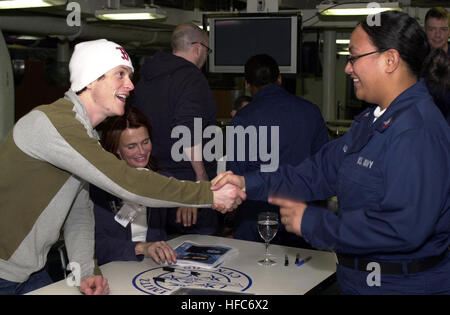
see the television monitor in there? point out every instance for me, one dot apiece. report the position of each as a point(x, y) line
point(235, 39)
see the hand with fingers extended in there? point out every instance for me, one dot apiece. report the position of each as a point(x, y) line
point(159, 251)
point(227, 197)
point(187, 216)
point(228, 178)
point(291, 213)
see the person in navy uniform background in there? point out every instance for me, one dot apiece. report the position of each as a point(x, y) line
point(302, 132)
point(239, 103)
point(390, 172)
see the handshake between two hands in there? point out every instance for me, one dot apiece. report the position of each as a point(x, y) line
point(228, 191)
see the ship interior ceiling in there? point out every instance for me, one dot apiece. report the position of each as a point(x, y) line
point(40, 41)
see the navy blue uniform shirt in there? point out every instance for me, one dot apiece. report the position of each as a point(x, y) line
point(302, 132)
point(391, 178)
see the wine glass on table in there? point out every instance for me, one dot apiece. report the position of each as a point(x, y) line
point(267, 228)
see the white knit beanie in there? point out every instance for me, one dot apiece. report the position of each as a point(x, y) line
point(92, 59)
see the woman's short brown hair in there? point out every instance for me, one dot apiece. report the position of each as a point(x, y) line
point(113, 127)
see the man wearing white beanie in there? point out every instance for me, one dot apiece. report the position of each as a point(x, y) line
point(52, 154)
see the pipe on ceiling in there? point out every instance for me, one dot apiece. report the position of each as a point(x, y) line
point(52, 26)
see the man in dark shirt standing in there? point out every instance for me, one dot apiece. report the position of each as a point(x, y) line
point(174, 92)
point(301, 133)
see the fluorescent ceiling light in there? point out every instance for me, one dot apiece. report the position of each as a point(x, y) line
point(131, 14)
point(27, 37)
point(342, 41)
point(343, 53)
point(21, 4)
point(357, 8)
point(339, 41)
point(201, 26)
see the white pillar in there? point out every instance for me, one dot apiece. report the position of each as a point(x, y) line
point(6, 90)
point(329, 76)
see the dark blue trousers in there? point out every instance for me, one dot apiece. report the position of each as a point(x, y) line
point(432, 281)
point(36, 280)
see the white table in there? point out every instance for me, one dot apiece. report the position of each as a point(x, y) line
point(240, 274)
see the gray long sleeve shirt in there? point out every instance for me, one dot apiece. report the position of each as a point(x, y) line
point(47, 160)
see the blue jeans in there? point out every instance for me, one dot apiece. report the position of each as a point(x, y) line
point(36, 280)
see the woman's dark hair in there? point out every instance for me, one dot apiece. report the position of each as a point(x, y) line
point(114, 126)
point(399, 31)
point(436, 73)
point(261, 70)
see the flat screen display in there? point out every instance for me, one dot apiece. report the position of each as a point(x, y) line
point(234, 40)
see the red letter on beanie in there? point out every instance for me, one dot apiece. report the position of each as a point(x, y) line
point(124, 53)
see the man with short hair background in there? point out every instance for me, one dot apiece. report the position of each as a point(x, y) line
point(302, 132)
point(437, 28)
point(172, 92)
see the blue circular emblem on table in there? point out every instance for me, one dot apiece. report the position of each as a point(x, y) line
point(166, 280)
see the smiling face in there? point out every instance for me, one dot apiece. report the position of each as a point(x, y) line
point(109, 93)
point(365, 71)
point(437, 32)
point(135, 146)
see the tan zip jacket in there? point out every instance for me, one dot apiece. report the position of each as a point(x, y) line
point(46, 162)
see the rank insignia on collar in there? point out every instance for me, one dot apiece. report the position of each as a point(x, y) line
point(345, 148)
point(386, 123)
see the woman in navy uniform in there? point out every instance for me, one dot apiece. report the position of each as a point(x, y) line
point(390, 172)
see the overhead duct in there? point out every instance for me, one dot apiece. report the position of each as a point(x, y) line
point(43, 25)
